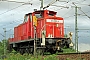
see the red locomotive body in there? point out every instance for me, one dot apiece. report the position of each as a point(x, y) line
point(25, 30)
point(49, 33)
point(50, 23)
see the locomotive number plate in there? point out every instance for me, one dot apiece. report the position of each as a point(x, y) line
point(54, 21)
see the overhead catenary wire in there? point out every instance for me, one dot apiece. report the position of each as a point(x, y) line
point(60, 6)
point(66, 3)
point(67, 12)
point(80, 3)
point(69, 16)
point(16, 12)
point(83, 4)
point(84, 13)
point(13, 22)
point(86, 20)
point(13, 8)
point(16, 2)
point(10, 9)
point(50, 4)
point(82, 18)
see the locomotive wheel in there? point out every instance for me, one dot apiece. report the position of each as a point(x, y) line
point(40, 52)
point(27, 50)
point(21, 51)
point(31, 50)
point(67, 45)
point(52, 51)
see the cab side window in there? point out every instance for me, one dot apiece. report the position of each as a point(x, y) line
point(26, 18)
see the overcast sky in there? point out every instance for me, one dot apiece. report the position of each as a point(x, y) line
point(12, 14)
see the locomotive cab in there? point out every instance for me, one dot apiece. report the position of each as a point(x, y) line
point(50, 23)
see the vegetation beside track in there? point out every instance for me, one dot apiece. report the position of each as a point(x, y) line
point(68, 50)
point(18, 56)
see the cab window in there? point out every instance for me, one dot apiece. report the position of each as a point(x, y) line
point(26, 18)
point(38, 15)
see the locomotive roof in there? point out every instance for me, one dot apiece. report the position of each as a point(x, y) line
point(42, 11)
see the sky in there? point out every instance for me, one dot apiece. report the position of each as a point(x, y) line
point(12, 14)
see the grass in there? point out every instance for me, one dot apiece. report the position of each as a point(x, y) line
point(68, 50)
point(18, 56)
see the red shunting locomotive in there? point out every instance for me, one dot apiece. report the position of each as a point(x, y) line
point(43, 27)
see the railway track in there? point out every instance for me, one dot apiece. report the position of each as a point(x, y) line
point(74, 56)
